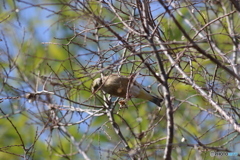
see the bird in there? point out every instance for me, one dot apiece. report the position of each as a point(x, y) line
point(124, 87)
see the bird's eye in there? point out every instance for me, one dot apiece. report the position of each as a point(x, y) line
point(95, 87)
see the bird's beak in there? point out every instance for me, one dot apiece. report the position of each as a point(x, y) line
point(96, 84)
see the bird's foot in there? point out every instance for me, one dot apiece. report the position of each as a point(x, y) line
point(122, 104)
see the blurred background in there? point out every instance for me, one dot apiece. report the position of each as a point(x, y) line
point(186, 52)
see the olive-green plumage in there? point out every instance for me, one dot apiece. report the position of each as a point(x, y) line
point(120, 86)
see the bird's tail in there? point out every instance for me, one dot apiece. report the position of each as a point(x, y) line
point(157, 101)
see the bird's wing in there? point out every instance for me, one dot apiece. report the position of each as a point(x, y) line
point(115, 85)
point(138, 91)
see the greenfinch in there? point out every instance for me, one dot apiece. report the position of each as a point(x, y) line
point(121, 86)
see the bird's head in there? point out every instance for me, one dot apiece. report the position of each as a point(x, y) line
point(96, 84)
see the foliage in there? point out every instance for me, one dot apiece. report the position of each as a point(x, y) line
point(186, 52)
